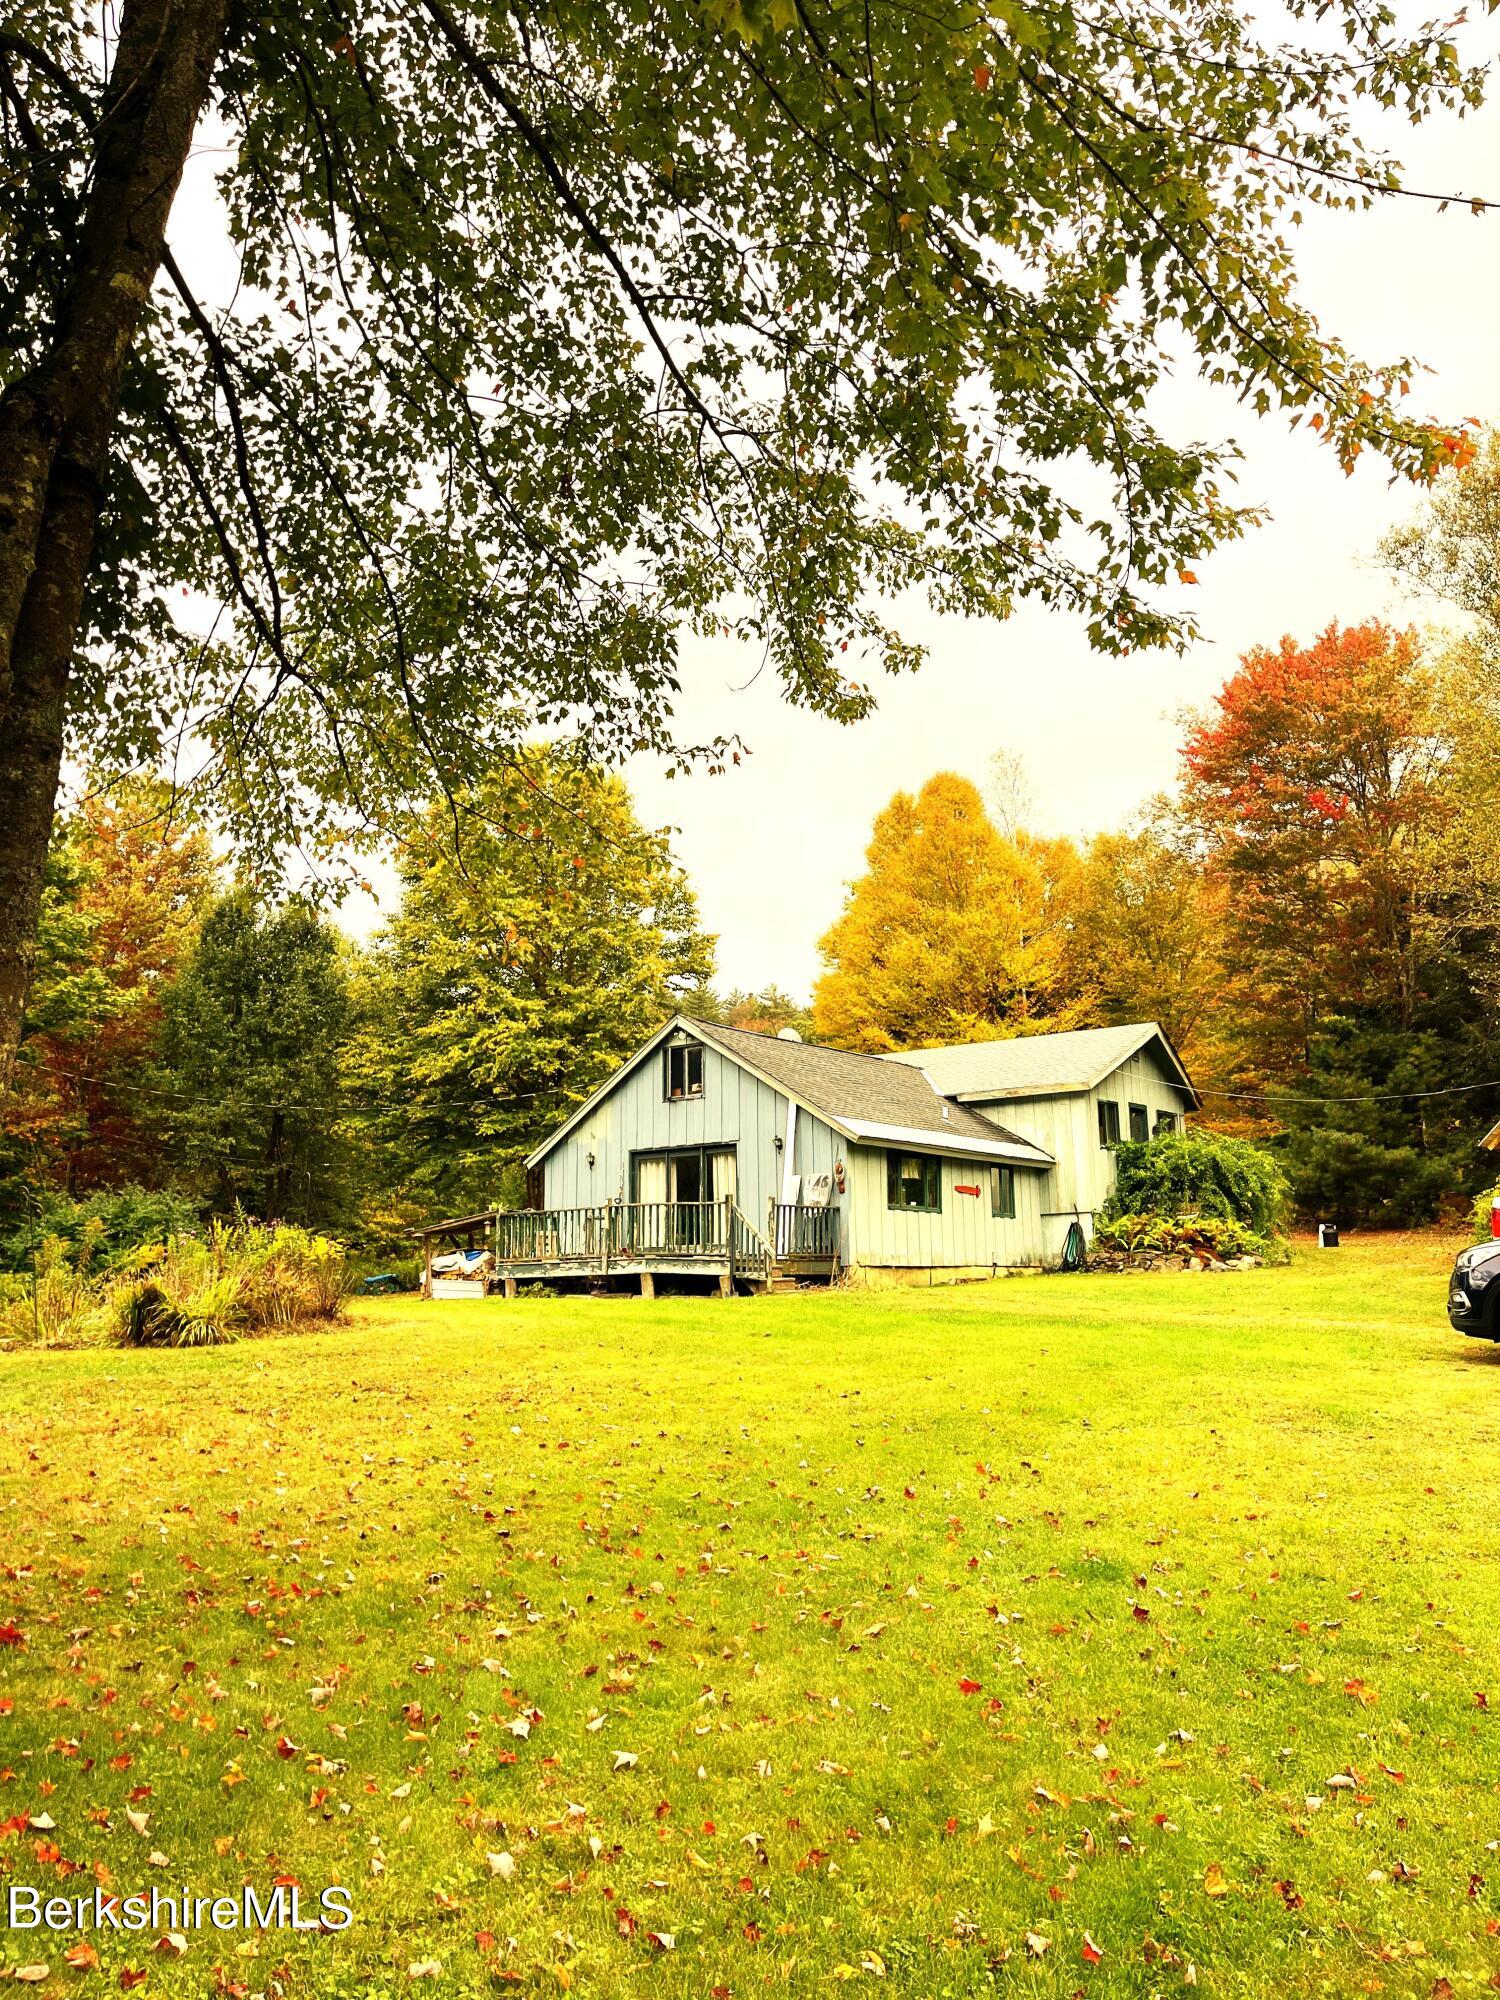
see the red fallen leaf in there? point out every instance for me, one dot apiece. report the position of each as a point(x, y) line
point(1396, 1777)
point(1481, 1699)
point(121, 1763)
point(285, 1882)
point(82, 1957)
point(950, 1825)
point(969, 1687)
point(285, 1747)
point(753, 1932)
point(130, 1977)
point(11, 1635)
point(1139, 1611)
point(719, 1993)
point(137, 1793)
point(909, 1492)
point(484, 1940)
point(1090, 1952)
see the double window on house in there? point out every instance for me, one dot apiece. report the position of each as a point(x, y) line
point(1141, 1126)
point(682, 1070)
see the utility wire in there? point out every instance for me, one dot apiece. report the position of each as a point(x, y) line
point(1369, 1097)
point(480, 1103)
point(324, 1109)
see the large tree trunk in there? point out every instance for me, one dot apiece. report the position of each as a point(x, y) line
point(56, 424)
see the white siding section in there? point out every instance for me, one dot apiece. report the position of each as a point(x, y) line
point(1069, 1129)
point(962, 1235)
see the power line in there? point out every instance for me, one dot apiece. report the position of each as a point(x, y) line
point(1369, 1097)
point(372, 1105)
point(324, 1109)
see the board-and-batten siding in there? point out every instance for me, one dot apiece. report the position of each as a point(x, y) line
point(735, 1109)
point(1068, 1127)
point(963, 1235)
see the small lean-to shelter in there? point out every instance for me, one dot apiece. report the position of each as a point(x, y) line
point(756, 1160)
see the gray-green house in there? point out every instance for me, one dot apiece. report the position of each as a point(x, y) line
point(753, 1157)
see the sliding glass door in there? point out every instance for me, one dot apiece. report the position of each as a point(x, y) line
point(680, 1195)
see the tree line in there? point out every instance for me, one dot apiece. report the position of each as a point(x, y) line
point(1311, 914)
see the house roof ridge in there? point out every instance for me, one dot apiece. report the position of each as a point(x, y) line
point(761, 1035)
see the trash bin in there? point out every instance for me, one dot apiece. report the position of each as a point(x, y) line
point(1328, 1236)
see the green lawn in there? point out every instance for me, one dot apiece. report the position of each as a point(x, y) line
point(1153, 1611)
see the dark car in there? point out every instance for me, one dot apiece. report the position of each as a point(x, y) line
point(1474, 1291)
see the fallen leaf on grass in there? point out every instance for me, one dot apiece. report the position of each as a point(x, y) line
point(1213, 1880)
point(1036, 1944)
point(425, 1968)
point(31, 1973)
point(502, 1865)
point(1090, 1952)
point(626, 1760)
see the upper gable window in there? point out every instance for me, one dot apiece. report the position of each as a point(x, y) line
point(684, 1070)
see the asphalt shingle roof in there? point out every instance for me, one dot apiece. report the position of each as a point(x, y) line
point(861, 1091)
point(1029, 1065)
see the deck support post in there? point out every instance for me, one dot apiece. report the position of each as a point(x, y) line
point(648, 1285)
point(726, 1284)
point(510, 1288)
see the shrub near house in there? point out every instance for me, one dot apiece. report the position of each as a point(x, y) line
point(1196, 1194)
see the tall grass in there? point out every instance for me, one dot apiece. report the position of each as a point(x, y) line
point(244, 1279)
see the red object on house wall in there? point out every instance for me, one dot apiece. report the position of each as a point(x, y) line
point(959, 1188)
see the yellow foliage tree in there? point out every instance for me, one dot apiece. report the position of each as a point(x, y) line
point(955, 933)
point(1146, 939)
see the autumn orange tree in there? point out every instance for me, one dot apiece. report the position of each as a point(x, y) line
point(132, 878)
point(954, 933)
point(1323, 787)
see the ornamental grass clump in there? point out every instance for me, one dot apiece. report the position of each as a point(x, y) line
point(243, 1278)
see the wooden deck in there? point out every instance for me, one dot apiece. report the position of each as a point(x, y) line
point(642, 1241)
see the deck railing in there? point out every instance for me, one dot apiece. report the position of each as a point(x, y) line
point(635, 1232)
point(628, 1231)
point(795, 1230)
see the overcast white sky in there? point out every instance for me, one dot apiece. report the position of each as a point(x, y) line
point(771, 845)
